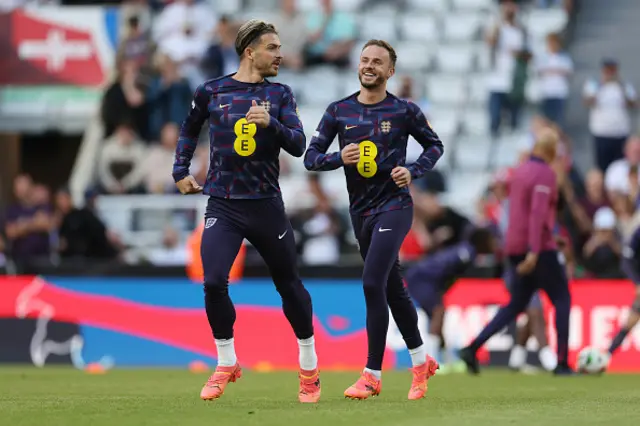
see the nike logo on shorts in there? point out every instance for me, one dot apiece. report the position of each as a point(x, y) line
point(282, 236)
point(384, 229)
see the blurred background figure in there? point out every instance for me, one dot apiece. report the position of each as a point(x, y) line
point(609, 99)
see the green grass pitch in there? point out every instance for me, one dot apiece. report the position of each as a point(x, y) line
point(67, 397)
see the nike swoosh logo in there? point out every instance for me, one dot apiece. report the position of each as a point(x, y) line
point(349, 127)
point(224, 106)
point(282, 236)
point(384, 229)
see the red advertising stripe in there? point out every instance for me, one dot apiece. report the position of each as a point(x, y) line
point(598, 308)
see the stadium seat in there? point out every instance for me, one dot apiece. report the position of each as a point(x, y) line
point(306, 5)
point(446, 89)
point(430, 5)
point(455, 59)
point(419, 28)
point(378, 26)
point(478, 91)
point(444, 119)
point(541, 22)
point(473, 4)
point(483, 56)
point(462, 26)
point(348, 5)
point(476, 121)
point(472, 153)
point(310, 117)
point(532, 91)
point(465, 188)
point(230, 7)
point(321, 94)
point(413, 56)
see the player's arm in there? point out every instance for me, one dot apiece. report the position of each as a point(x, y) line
point(189, 133)
point(316, 159)
point(288, 128)
point(431, 144)
point(540, 205)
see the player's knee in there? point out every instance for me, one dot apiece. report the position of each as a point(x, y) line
point(215, 284)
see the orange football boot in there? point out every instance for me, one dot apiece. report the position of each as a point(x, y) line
point(421, 375)
point(309, 386)
point(366, 386)
point(214, 388)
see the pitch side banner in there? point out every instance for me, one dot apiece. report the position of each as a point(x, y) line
point(161, 322)
point(52, 46)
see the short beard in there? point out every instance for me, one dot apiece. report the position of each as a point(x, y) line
point(379, 81)
point(267, 71)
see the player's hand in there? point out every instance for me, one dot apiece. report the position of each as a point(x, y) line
point(188, 185)
point(401, 176)
point(528, 264)
point(350, 154)
point(258, 115)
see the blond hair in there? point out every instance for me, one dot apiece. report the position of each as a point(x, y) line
point(250, 32)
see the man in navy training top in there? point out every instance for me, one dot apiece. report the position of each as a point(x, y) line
point(631, 268)
point(373, 127)
point(250, 119)
point(430, 279)
point(532, 251)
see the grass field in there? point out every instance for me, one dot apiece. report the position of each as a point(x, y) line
point(66, 397)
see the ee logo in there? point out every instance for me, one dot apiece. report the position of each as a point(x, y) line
point(367, 166)
point(244, 144)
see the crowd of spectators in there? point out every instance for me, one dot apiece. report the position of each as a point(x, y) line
point(167, 48)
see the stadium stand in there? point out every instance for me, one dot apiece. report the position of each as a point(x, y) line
point(442, 52)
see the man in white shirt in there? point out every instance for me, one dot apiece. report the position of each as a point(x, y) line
point(609, 101)
point(616, 179)
point(507, 39)
point(554, 68)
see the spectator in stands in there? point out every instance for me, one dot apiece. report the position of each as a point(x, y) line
point(220, 57)
point(136, 46)
point(121, 163)
point(446, 226)
point(320, 228)
point(293, 34)
point(595, 198)
point(171, 253)
point(198, 16)
point(160, 159)
point(333, 35)
point(554, 68)
point(601, 254)
point(507, 42)
point(186, 49)
point(168, 97)
point(124, 100)
point(28, 222)
point(81, 233)
point(617, 176)
point(609, 100)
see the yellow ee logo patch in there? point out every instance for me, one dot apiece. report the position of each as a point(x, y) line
point(367, 166)
point(244, 144)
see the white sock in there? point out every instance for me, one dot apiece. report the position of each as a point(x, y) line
point(418, 356)
point(547, 358)
point(307, 355)
point(432, 345)
point(226, 353)
point(375, 373)
point(518, 357)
